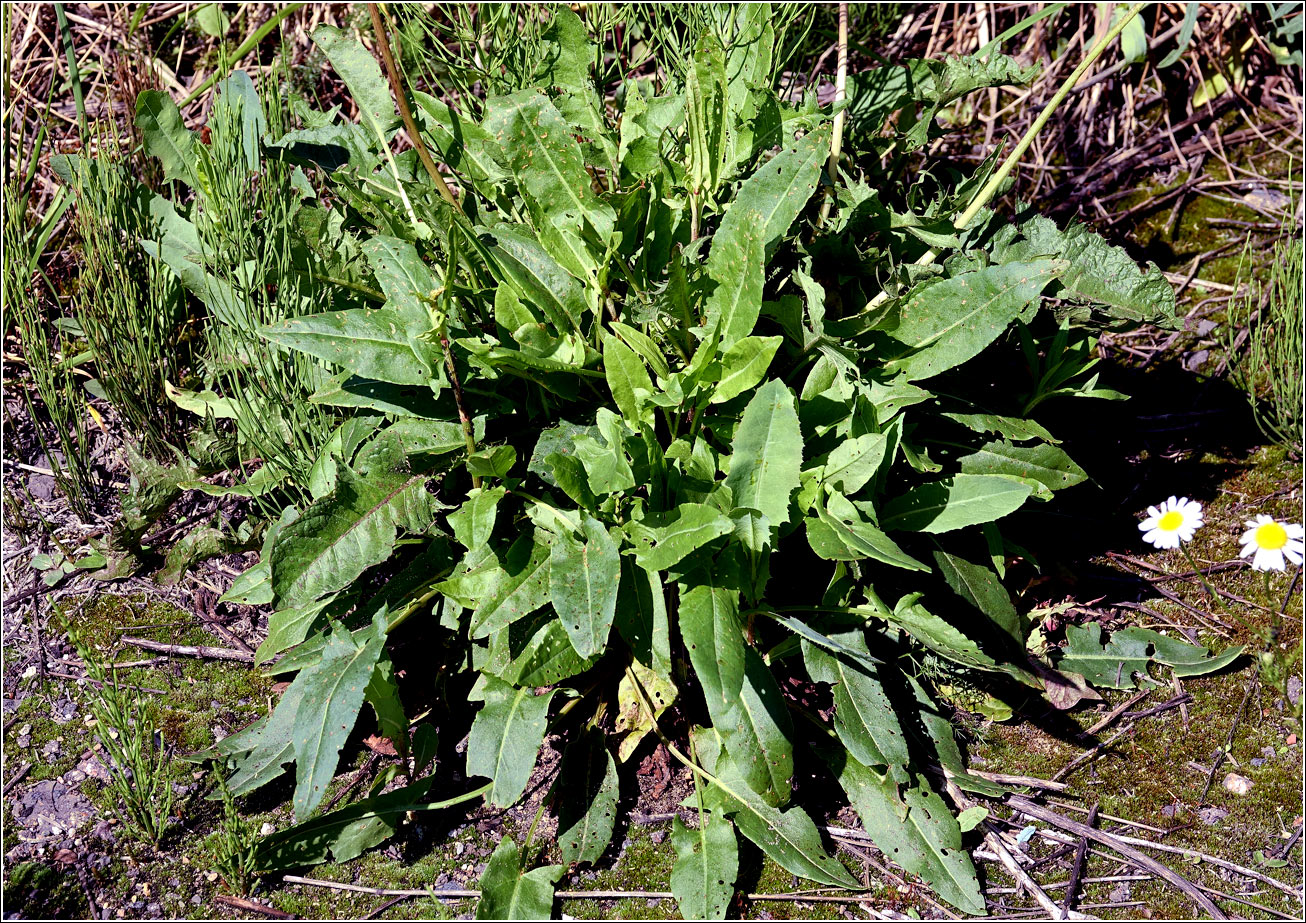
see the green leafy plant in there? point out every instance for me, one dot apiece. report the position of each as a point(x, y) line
point(1263, 340)
point(53, 395)
point(629, 430)
point(234, 845)
point(139, 789)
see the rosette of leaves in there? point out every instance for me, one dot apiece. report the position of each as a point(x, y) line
point(630, 436)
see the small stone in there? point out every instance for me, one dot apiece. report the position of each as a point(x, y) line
point(267, 829)
point(1293, 688)
point(29, 672)
point(25, 730)
point(23, 741)
point(1212, 816)
point(210, 876)
point(1239, 785)
point(1292, 740)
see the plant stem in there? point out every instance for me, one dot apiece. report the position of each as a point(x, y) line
point(986, 194)
point(245, 48)
point(74, 75)
point(1198, 570)
point(401, 97)
point(840, 86)
point(469, 434)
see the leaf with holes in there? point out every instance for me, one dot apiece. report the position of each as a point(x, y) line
point(508, 893)
point(585, 799)
point(505, 739)
point(584, 577)
point(707, 863)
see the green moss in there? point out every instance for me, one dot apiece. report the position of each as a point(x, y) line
point(1148, 776)
point(197, 695)
point(34, 891)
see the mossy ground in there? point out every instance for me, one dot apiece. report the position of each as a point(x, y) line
point(1152, 776)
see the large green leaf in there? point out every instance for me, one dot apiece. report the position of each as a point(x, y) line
point(842, 522)
point(714, 638)
point(1184, 658)
point(766, 455)
point(508, 893)
point(382, 694)
point(942, 324)
point(585, 798)
point(166, 137)
point(758, 733)
point(546, 659)
point(333, 693)
point(1045, 465)
point(463, 144)
point(1113, 663)
point(954, 503)
point(789, 837)
point(237, 103)
point(360, 71)
point(707, 863)
point(707, 119)
point(662, 540)
point(344, 834)
point(274, 747)
point(765, 207)
point(912, 826)
point(743, 365)
point(642, 617)
point(409, 285)
point(573, 224)
point(1013, 428)
point(853, 462)
point(473, 522)
point(980, 587)
point(341, 535)
point(538, 277)
point(521, 589)
point(626, 376)
point(370, 343)
point(505, 739)
point(1101, 284)
point(583, 580)
point(863, 714)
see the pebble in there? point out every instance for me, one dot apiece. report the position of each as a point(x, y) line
point(1212, 816)
point(1239, 785)
point(267, 829)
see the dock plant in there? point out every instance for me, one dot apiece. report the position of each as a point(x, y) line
point(633, 445)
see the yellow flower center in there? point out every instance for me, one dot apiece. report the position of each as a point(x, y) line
point(1171, 521)
point(1271, 536)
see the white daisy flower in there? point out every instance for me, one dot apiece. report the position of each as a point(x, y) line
point(1269, 542)
point(1172, 523)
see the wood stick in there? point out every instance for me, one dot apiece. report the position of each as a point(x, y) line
point(202, 651)
point(1117, 844)
point(1026, 883)
point(1077, 870)
point(16, 778)
point(240, 903)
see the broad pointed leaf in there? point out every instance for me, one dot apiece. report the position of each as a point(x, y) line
point(584, 577)
point(707, 863)
point(767, 454)
point(586, 799)
point(508, 893)
point(505, 739)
